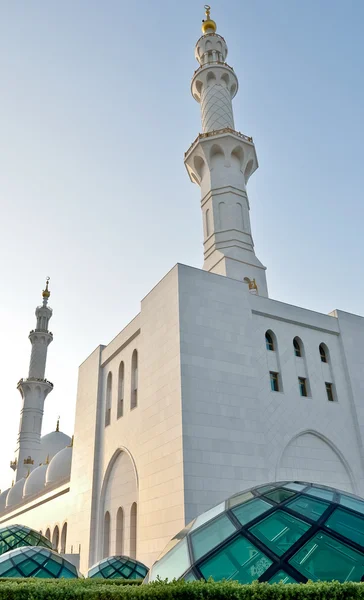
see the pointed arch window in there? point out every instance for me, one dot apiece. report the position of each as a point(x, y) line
point(55, 538)
point(323, 353)
point(120, 410)
point(63, 538)
point(134, 380)
point(119, 548)
point(108, 399)
point(297, 347)
point(269, 341)
point(133, 530)
point(106, 549)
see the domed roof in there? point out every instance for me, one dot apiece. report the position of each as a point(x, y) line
point(3, 497)
point(15, 494)
point(16, 536)
point(60, 466)
point(52, 443)
point(36, 481)
point(115, 567)
point(35, 561)
point(284, 531)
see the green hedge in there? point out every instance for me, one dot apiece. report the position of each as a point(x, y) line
point(36, 589)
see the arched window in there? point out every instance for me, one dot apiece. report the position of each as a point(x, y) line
point(63, 538)
point(108, 399)
point(134, 380)
point(120, 411)
point(269, 342)
point(48, 534)
point(119, 548)
point(297, 345)
point(55, 538)
point(323, 353)
point(106, 551)
point(133, 530)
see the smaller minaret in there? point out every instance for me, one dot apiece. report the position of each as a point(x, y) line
point(34, 390)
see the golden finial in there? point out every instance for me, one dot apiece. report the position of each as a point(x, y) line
point(47, 460)
point(57, 426)
point(46, 293)
point(208, 25)
point(71, 444)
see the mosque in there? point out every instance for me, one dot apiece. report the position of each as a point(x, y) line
point(212, 388)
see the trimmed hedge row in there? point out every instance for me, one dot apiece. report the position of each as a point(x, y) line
point(62, 589)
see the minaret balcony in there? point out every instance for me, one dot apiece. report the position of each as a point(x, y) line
point(13, 464)
point(27, 380)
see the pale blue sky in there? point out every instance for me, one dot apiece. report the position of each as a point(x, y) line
point(96, 114)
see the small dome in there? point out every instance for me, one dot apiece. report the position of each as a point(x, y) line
point(35, 561)
point(60, 466)
point(15, 494)
point(3, 496)
point(115, 567)
point(52, 443)
point(36, 481)
point(284, 531)
point(16, 536)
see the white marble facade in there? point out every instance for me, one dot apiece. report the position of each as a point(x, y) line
point(177, 412)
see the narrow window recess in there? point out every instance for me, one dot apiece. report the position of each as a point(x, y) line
point(269, 341)
point(302, 383)
point(297, 348)
point(274, 381)
point(329, 391)
point(323, 354)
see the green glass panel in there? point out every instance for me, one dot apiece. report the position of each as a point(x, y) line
point(323, 558)
point(4, 567)
point(12, 573)
point(308, 507)
point(28, 566)
point(296, 487)
point(126, 572)
point(173, 564)
point(67, 574)
point(279, 531)
point(279, 495)
point(265, 488)
point(251, 510)
point(208, 515)
point(238, 561)
point(239, 499)
point(107, 570)
point(190, 577)
point(282, 577)
point(211, 535)
point(349, 525)
point(320, 493)
point(353, 503)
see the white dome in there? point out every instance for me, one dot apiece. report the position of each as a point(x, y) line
point(15, 494)
point(36, 481)
point(3, 496)
point(60, 466)
point(52, 443)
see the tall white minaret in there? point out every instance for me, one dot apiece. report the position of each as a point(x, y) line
point(34, 390)
point(221, 161)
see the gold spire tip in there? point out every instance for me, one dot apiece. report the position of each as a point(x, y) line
point(208, 25)
point(57, 426)
point(46, 293)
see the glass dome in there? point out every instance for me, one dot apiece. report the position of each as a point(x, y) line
point(16, 536)
point(285, 531)
point(115, 567)
point(34, 561)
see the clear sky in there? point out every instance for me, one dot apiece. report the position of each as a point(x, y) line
point(95, 115)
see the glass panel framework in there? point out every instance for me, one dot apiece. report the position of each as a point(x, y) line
point(118, 567)
point(270, 533)
point(16, 536)
point(34, 561)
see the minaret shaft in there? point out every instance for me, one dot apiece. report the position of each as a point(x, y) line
point(221, 161)
point(34, 391)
